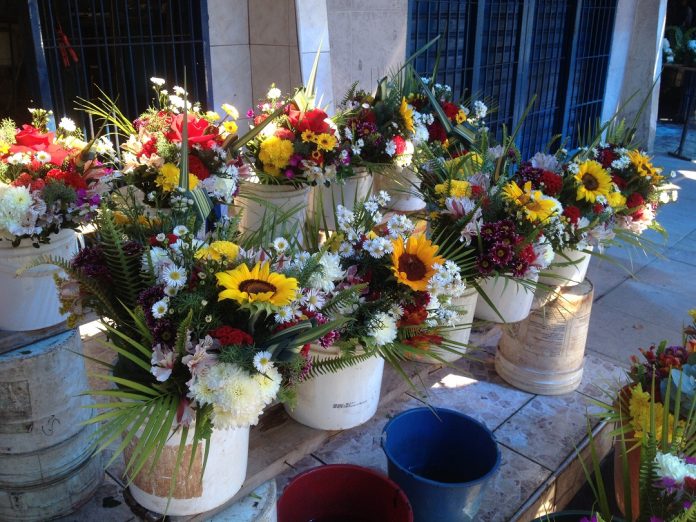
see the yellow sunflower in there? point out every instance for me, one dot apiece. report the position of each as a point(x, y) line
point(641, 162)
point(513, 193)
point(412, 262)
point(257, 285)
point(616, 200)
point(218, 250)
point(539, 209)
point(325, 141)
point(594, 181)
point(407, 115)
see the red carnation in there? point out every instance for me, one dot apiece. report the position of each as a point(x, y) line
point(451, 110)
point(199, 130)
point(606, 157)
point(436, 132)
point(229, 336)
point(400, 144)
point(285, 134)
point(597, 208)
point(620, 182)
point(690, 485)
point(553, 183)
point(527, 254)
point(635, 200)
point(368, 115)
point(198, 168)
point(572, 213)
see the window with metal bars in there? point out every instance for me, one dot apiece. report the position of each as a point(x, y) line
point(511, 50)
point(117, 45)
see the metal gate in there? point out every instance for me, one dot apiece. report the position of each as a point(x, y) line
point(509, 50)
point(117, 45)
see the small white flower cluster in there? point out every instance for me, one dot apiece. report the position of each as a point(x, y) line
point(399, 225)
point(166, 264)
point(420, 125)
point(447, 280)
point(19, 211)
point(667, 52)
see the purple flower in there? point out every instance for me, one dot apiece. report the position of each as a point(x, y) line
point(689, 460)
point(485, 266)
point(132, 248)
point(289, 174)
point(250, 113)
point(501, 253)
point(92, 262)
point(295, 160)
point(593, 518)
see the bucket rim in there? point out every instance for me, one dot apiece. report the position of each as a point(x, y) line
point(351, 467)
point(413, 411)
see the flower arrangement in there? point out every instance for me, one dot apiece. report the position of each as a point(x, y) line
point(298, 146)
point(152, 151)
point(402, 287)
point(49, 180)
point(206, 330)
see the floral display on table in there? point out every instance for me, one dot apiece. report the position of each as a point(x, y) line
point(151, 152)
point(49, 180)
point(679, 46)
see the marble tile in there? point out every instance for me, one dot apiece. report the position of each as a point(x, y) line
point(516, 481)
point(547, 429)
point(228, 22)
point(313, 25)
point(231, 65)
point(269, 22)
point(601, 377)
point(270, 64)
point(323, 81)
point(662, 273)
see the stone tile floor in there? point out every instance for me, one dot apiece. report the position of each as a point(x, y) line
point(643, 302)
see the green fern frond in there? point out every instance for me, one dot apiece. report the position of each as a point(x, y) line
point(322, 366)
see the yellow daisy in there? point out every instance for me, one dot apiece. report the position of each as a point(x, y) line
point(257, 285)
point(513, 193)
point(453, 189)
point(593, 181)
point(406, 113)
point(308, 136)
point(325, 141)
point(412, 262)
point(230, 126)
point(616, 199)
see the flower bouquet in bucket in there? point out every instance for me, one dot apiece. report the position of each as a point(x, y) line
point(200, 349)
point(51, 183)
point(399, 301)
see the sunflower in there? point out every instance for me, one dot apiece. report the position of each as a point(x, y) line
point(540, 208)
point(407, 115)
point(514, 194)
point(325, 141)
point(218, 250)
point(641, 162)
point(257, 285)
point(594, 181)
point(412, 262)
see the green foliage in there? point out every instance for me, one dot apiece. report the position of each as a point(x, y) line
point(57, 192)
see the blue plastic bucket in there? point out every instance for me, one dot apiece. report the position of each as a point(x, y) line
point(443, 460)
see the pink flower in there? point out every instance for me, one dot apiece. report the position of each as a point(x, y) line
point(162, 362)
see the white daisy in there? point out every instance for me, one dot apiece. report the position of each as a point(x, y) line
point(312, 300)
point(345, 249)
point(174, 276)
point(284, 315)
point(67, 125)
point(160, 237)
point(160, 308)
point(170, 291)
point(42, 156)
point(262, 362)
point(180, 230)
point(157, 81)
point(280, 244)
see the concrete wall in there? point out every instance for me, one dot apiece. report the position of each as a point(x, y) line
point(635, 63)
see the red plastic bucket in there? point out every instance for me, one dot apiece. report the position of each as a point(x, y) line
point(343, 493)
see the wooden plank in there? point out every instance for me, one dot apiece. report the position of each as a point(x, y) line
point(10, 341)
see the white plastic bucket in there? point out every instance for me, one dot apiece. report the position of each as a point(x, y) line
point(324, 199)
point(567, 274)
point(341, 400)
point(403, 186)
point(224, 474)
point(30, 302)
point(512, 300)
point(261, 204)
point(466, 306)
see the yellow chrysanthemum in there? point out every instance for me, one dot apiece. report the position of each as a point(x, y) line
point(406, 115)
point(257, 285)
point(212, 116)
point(230, 126)
point(325, 141)
point(230, 110)
point(460, 117)
point(593, 181)
point(514, 194)
point(453, 189)
point(639, 411)
point(474, 159)
point(412, 262)
point(4, 148)
point(644, 167)
point(616, 200)
point(218, 250)
point(120, 218)
point(308, 136)
point(168, 177)
point(275, 154)
point(193, 181)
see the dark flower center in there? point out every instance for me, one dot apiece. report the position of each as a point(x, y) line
point(256, 286)
point(590, 182)
point(413, 267)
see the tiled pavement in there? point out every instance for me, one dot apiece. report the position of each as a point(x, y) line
point(644, 302)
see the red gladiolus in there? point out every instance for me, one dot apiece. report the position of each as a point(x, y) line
point(199, 130)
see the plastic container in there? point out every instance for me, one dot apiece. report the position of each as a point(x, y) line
point(567, 269)
point(443, 460)
point(343, 493)
point(323, 200)
point(511, 298)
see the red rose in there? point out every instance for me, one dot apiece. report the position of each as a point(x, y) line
point(451, 110)
point(199, 130)
point(635, 200)
point(553, 183)
point(229, 336)
point(198, 168)
point(436, 132)
point(285, 134)
point(606, 157)
point(313, 120)
point(30, 140)
point(572, 213)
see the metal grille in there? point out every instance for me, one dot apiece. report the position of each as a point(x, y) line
point(588, 77)
point(509, 50)
point(117, 45)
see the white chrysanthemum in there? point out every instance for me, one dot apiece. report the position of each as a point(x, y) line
point(180, 230)
point(399, 225)
point(345, 249)
point(544, 161)
point(344, 218)
point(274, 93)
point(18, 158)
point(671, 466)
point(480, 109)
point(222, 187)
point(262, 361)
point(176, 101)
point(383, 329)
point(159, 82)
point(160, 308)
point(67, 125)
point(280, 244)
point(269, 384)
point(174, 276)
point(179, 90)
